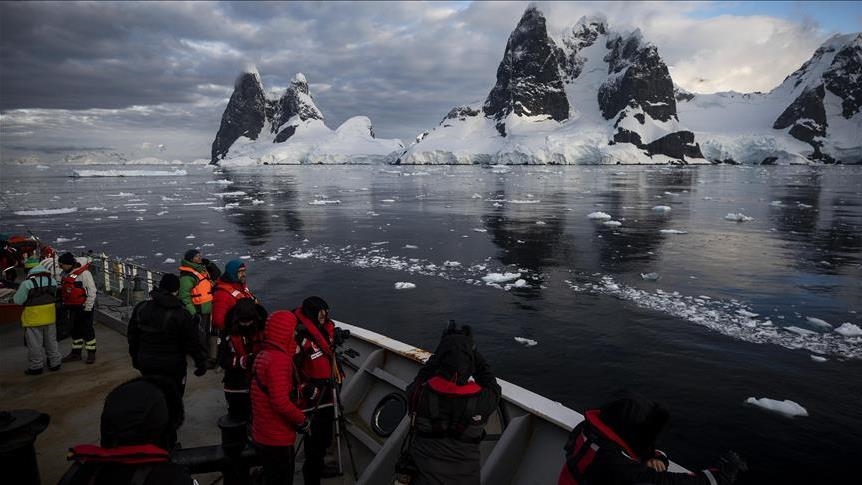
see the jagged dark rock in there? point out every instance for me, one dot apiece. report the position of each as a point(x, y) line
point(682, 95)
point(583, 35)
point(638, 78)
point(807, 118)
point(528, 78)
point(284, 134)
point(679, 145)
point(244, 115)
point(461, 113)
point(296, 101)
point(844, 77)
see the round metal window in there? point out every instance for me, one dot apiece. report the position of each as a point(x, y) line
point(388, 414)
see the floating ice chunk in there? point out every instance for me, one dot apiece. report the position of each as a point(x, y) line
point(61, 240)
point(47, 212)
point(542, 223)
point(500, 277)
point(739, 217)
point(235, 193)
point(520, 283)
point(800, 331)
point(476, 196)
point(746, 313)
point(388, 201)
point(451, 264)
point(818, 322)
point(128, 173)
point(410, 246)
point(613, 223)
point(600, 216)
point(785, 408)
point(222, 182)
point(99, 209)
point(404, 285)
point(650, 276)
point(170, 260)
point(661, 208)
point(803, 206)
point(817, 358)
point(245, 257)
point(257, 202)
point(525, 341)
point(161, 213)
point(776, 203)
point(672, 231)
point(479, 229)
point(380, 243)
point(324, 202)
point(847, 329)
point(301, 255)
point(191, 236)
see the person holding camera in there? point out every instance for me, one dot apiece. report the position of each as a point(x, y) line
point(162, 332)
point(616, 444)
point(276, 419)
point(450, 401)
point(317, 338)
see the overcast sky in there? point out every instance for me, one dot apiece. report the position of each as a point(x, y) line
point(128, 76)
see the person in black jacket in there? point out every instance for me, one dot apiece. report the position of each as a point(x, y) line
point(451, 399)
point(138, 429)
point(616, 444)
point(243, 338)
point(162, 332)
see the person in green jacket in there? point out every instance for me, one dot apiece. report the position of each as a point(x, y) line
point(196, 293)
point(38, 293)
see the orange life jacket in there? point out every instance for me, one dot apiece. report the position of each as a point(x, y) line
point(73, 291)
point(202, 292)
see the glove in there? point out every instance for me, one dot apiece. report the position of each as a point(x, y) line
point(304, 428)
point(729, 465)
point(200, 371)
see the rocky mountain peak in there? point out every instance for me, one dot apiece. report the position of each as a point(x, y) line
point(528, 78)
point(296, 102)
point(244, 116)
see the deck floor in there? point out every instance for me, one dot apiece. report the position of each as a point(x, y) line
point(74, 396)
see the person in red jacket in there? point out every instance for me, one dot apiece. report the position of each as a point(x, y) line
point(230, 288)
point(276, 419)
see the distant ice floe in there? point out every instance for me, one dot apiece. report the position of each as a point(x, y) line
point(817, 322)
point(785, 408)
point(613, 223)
point(740, 217)
point(170, 260)
point(672, 231)
point(650, 276)
point(46, 212)
point(847, 329)
point(525, 341)
point(128, 173)
point(61, 240)
point(222, 182)
point(602, 216)
point(729, 318)
point(324, 202)
point(235, 193)
point(500, 277)
point(403, 285)
point(661, 208)
point(818, 358)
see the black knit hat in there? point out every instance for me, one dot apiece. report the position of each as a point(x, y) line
point(170, 283)
point(190, 254)
point(67, 258)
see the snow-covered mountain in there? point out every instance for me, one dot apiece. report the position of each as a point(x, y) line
point(814, 115)
point(256, 129)
point(595, 96)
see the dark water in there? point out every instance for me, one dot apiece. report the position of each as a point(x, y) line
point(690, 339)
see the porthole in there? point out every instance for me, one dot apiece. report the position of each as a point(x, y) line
point(388, 414)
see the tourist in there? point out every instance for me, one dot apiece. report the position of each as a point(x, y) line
point(240, 344)
point(196, 294)
point(78, 290)
point(38, 293)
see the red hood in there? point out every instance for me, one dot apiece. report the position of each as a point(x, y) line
point(279, 330)
point(593, 417)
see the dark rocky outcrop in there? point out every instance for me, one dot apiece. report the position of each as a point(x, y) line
point(807, 118)
point(296, 101)
point(461, 113)
point(583, 34)
point(638, 77)
point(679, 145)
point(844, 77)
point(528, 78)
point(244, 116)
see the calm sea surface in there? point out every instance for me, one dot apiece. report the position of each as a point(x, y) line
point(513, 252)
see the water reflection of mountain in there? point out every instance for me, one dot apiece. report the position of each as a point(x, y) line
point(633, 247)
point(828, 223)
point(255, 220)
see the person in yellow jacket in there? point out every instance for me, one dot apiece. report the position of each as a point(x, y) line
point(196, 293)
point(37, 293)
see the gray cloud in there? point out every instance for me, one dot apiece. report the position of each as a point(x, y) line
point(150, 69)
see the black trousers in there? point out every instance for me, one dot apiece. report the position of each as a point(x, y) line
point(316, 445)
point(82, 323)
point(238, 405)
point(179, 380)
point(278, 462)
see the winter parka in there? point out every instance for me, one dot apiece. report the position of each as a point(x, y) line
point(275, 415)
point(161, 333)
point(188, 282)
point(37, 294)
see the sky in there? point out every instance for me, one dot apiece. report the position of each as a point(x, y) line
point(153, 78)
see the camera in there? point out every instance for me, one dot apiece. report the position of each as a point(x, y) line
point(340, 335)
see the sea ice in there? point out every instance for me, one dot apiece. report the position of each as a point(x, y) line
point(600, 216)
point(818, 322)
point(47, 212)
point(740, 217)
point(613, 223)
point(324, 202)
point(661, 208)
point(650, 276)
point(525, 341)
point(500, 277)
point(170, 260)
point(786, 408)
point(817, 358)
point(672, 231)
point(847, 329)
point(403, 285)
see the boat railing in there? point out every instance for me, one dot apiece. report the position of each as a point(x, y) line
point(127, 281)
